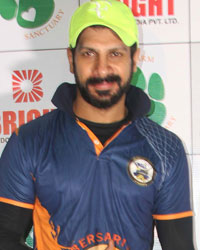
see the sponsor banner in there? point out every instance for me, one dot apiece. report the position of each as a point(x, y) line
point(29, 80)
point(35, 25)
point(195, 49)
point(167, 82)
point(196, 197)
point(160, 21)
point(195, 20)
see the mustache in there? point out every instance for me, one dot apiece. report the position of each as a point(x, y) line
point(109, 78)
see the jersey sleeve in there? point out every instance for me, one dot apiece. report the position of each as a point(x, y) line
point(173, 199)
point(16, 182)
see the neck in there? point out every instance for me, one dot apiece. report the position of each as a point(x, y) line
point(88, 112)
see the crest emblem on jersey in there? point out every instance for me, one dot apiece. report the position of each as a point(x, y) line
point(141, 171)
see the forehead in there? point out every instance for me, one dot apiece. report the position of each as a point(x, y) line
point(99, 36)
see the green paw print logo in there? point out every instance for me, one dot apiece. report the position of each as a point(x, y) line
point(156, 92)
point(29, 13)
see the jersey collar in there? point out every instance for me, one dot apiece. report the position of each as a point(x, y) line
point(137, 102)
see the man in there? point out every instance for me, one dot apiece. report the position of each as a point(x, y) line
point(96, 171)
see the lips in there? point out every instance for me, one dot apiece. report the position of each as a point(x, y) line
point(103, 85)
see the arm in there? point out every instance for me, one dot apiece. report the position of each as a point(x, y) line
point(173, 215)
point(15, 224)
point(175, 234)
point(16, 195)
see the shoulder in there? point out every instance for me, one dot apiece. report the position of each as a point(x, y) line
point(164, 142)
point(36, 138)
point(39, 132)
point(41, 124)
point(156, 133)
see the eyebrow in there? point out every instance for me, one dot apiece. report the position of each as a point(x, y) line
point(85, 47)
point(94, 50)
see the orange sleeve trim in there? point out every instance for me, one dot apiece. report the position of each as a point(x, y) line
point(172, 216)
point(16, 203)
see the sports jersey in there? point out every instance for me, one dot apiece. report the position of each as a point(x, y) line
point(83, 193)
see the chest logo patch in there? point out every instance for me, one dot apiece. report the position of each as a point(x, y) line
point(141, 171)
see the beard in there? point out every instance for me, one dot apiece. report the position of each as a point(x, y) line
point(104, 99)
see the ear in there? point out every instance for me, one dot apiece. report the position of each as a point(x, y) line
point(136, 59)
point(70, 59)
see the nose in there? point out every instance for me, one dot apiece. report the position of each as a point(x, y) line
point(102, 67)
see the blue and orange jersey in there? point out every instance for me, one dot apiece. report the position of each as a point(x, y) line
point(83, 193)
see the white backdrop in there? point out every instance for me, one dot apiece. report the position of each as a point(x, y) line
point(33, 63)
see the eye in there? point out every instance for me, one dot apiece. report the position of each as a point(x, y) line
point(116, 54)
point(88, 53)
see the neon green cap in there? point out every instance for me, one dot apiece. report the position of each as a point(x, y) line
point(110, 13)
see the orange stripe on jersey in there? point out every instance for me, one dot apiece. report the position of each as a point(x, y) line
point(97, 144)
point(46, 234)
point(116, 134)
point(173, 216)
point(17, 203)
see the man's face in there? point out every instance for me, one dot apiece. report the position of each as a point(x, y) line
point(102, 66)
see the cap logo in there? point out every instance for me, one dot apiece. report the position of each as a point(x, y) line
point(99, 9)
point(141, 171)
